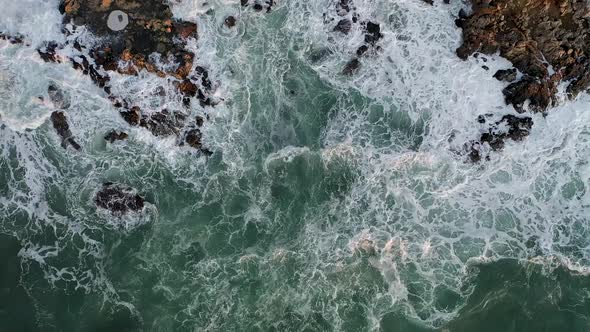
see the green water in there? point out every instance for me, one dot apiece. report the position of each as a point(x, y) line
point(323, 208)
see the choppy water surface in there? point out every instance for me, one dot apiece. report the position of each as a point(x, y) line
point(331, 203)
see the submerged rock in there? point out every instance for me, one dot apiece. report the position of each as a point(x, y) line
point(118, 199)
point(57, 97)
point(546, 40)
point(230, 21)
point(114, 135)
point(61, 126)
point(508, 127)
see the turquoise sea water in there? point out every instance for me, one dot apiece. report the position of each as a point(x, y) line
point(331, 203)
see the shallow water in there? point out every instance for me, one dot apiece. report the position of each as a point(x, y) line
point(331, 203)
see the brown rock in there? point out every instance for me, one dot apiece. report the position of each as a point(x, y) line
point(533, 35)
point(61, 126)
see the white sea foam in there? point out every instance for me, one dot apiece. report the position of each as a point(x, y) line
point(414, 205)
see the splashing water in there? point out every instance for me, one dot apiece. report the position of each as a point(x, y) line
point(331, 203)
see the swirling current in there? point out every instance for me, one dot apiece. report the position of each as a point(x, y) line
point(330, 202)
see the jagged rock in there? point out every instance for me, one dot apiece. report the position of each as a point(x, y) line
point(114, 135)
point(61, 126)
point(230, 21)
point(509, 127)
point(344, 26)
point(132, 115)
point(163, 123)
point(508, 75)
point(48, 52)
point(11, 38)
point(373, 33)
point(118, 199)
point(258, 6)
point(57, 97)
point(533, 35)
point(351, 67)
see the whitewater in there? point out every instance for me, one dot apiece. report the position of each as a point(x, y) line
point(331, 202)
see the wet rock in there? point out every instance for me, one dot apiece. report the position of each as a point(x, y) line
point(508, 127)
point(114, 135)
point(132, 115)
point(362, 50)
point(118, 199)
point(230, 21)
point(373, 33)
point(344, 26)
point(535, 36)
point(193, 138)
point(57, 97)
point(61, 126)
point(13, 39)
point(351, 67)
point(163, 123)
point(507, 75)
point(48, 52)
point(539, 94)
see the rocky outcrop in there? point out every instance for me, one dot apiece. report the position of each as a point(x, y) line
point(508, 127)
point(118, 199)
point(548, 43)
point(113, 136)
point(151, 39)
point(349, 19)
point(258, 5)
point(61, 126)
point(546, 40)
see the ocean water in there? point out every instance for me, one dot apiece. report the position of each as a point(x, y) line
point(330, 203)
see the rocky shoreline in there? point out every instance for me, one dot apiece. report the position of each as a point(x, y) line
point(150, 30)
point(547, 42)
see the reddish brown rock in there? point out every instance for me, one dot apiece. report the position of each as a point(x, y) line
point(547, 40)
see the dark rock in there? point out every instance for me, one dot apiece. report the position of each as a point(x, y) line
point(163, 123)
point(485, 67)
point(12, 39)
point(114, 135)
point(508, 127)
point(132, 116)
point(193, 138)
point(118, 199)
point(344, 26)
point(362, 50)
point(539, 93)
point(57, 97)
point(430, 2)
point(48, 52)
point(230, 21)
point(351, 67)
point(61, 126)
point(507, 75)
point(373, 33)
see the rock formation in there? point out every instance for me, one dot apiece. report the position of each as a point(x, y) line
point(118, 199)
point(548, 41)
